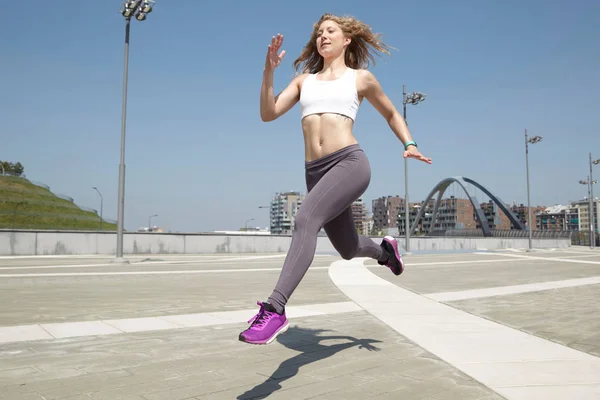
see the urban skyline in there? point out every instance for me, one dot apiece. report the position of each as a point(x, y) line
point(387, 214)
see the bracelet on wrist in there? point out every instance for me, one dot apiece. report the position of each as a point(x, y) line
point(409, 143)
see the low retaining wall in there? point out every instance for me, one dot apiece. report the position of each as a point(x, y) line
point(19, 243)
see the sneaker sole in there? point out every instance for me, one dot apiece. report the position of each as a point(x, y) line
point(392, 242)
point(281, 330)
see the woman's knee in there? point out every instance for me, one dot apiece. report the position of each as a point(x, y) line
point(303, 222)
point(346, 246)
point(348, 253)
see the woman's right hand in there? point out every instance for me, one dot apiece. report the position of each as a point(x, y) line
point(273, 58)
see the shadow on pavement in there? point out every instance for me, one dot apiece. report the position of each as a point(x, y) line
point(308, 343)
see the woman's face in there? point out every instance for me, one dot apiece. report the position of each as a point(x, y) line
point(331, 40)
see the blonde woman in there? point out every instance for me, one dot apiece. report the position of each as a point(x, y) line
point(330, 89)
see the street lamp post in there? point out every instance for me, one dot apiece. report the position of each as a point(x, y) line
point(101, 205)
point(150, 221)
point(269, 208)
point(589, 182)
point(532, 140)
point(139, 9)
point(592, 213)
point(412, 98)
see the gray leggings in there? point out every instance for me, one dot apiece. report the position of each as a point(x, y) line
point(334, 182)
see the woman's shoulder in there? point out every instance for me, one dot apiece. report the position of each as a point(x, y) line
point(300, 78)
point(364, 73)
point(365, 81)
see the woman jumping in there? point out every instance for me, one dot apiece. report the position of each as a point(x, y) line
point(330, 90)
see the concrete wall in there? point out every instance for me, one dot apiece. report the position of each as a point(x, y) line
point(69, 243)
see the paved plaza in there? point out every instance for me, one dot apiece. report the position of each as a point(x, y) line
point(485, 325)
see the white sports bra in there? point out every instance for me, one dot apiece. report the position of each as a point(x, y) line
point(337, 96)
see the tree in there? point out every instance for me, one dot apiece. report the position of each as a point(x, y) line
point(4, 167)
point(8, 168)
point(18, 169)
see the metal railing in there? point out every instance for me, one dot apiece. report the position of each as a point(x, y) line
point(581, 238)
point(578, 238)
point(504, 233)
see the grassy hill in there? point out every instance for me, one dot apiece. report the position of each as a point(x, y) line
point(24, 205)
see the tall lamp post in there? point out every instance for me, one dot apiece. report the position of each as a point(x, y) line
point(528, 140)
point(150, 221)
point(594, 227)
point(589, 182)
point(139, 9)
point(269, 208)
point(101, 205)
point(413, 98)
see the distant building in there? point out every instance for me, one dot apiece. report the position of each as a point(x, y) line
point(585, 214)
point(458, 213)
point(522, 214)
point(154, 229)
point(385, 212)
point(559, 218)
point(496, 218)
point(455, 213)
point(284, 207)
point(370, 225)
point(359, 214)
point(414, 208)
point(574, 216)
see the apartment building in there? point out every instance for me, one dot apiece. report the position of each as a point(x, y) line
point(560, 218)
point(496, 218)
point(370, 225)
point(453, 213)
point(413, 210)
point(385, 212)
point(522, 214)
point(359, 214)
point(284, 207)
point(583, 207)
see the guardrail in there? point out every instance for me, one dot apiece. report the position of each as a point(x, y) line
point(578, 238)
point(505, 233)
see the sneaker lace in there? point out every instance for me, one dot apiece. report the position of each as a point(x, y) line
point(261, 317)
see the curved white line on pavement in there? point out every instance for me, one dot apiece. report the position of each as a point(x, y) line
point(513, 289)
point(513, 363)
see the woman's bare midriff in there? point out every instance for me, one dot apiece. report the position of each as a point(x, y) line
point(325, 134)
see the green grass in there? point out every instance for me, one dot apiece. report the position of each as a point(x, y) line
point(24, 205)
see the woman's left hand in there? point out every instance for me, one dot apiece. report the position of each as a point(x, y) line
point(413, 152)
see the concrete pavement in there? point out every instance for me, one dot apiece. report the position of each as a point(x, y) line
point(453, 326)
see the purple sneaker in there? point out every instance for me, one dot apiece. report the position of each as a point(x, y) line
point(395, 262)
point(265, 326)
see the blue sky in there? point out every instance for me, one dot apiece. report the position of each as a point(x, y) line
point(197, 152)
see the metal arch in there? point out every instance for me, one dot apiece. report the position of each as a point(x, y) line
point(511, 216)
point(435, 189)
point(441, 188)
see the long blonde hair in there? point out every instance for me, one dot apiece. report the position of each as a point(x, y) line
point(358, 54)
